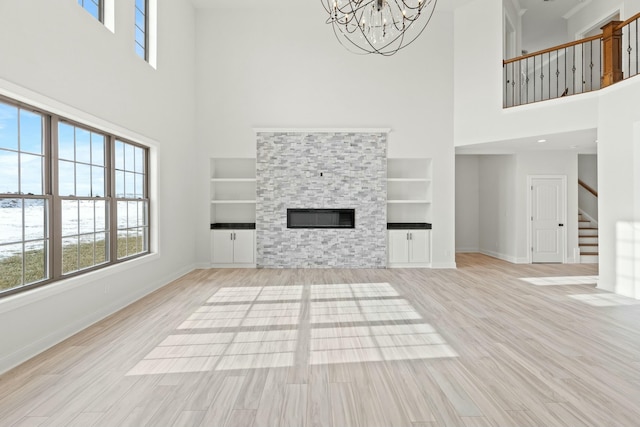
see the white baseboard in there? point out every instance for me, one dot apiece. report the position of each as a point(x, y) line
point(504, 257)
point(467, 250)
point(27, 352)
point(231, 266)
point(444, 265)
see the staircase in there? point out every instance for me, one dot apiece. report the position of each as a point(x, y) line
point(587, 240)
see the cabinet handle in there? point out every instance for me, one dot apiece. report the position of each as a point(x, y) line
point(230, 236)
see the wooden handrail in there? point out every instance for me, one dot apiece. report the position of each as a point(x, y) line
point(628, 21)
point(587, 187)
point(551, 49)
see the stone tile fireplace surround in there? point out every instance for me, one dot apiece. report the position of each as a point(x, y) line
point(316, 170)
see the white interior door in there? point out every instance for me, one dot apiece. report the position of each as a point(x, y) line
point(548, 203)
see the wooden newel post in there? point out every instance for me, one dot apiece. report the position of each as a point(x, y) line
point(611, 53)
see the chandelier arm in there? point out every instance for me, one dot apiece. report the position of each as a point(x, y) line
point(422, 29)
point(372, 24)
point(361, 52)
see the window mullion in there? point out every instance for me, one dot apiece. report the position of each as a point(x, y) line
point(55, 218)
point(111, 185)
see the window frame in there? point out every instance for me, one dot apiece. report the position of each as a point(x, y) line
point(145, 29)
point(100, 9)
point(53, 227)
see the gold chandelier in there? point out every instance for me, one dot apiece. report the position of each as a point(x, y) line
point(378, 26)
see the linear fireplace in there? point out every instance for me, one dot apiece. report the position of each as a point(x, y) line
point(321, 218)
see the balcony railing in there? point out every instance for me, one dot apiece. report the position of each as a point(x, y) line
point(581, 66)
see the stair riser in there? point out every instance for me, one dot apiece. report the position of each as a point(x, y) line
point(589, 259)
point(587, 240)
point(588, 232)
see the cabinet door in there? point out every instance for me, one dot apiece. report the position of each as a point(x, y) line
point(221, 246)
point(398, 246)
point(419, 246)
point(244, 247)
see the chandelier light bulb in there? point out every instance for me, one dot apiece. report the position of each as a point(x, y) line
point(390, 25)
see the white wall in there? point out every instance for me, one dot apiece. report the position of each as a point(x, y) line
point(285, 70)
point(497, 206)
point(563, 163)
point(467, 203)
point(593, 14)
point(619, 188)
point(588, 173)
point(56, 56)
point(478, 93)
point(512, 14)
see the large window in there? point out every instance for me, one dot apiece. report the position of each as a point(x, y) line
point(94, 7)
point(142, 28)
point(131, 199)
point(24, 203)
point(72, 198)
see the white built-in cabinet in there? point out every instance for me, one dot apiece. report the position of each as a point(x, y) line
point(233, 201)
point(235, 247)
point(409, 197)
point(409, 248)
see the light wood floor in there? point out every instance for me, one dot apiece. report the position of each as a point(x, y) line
point(476, 346)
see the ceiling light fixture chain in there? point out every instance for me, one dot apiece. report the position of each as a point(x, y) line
point(378, 26)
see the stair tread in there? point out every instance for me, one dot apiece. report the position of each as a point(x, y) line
point(587, 244)
point(589, 253)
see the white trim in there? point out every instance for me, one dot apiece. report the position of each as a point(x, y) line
point(444, 265)
point(575, 9)
point(25, 353)
point(599, 22)
point(503, 257)
point(591, 220)
point(467, 250)
point(232, 266)
point(530, 179)
point(408, 265)
point(322, 130)
point(109, 15)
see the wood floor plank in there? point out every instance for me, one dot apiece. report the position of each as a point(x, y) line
point(294, 409)
point(318, 399)
point(345, 410)
point(474, 346)
point(241, 418)
point(222, 404)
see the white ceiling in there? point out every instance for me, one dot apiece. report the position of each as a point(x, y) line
point(544, 23)
point(582, 142)
point(210, 4)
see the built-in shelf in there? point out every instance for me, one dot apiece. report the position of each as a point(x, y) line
point(408, 180)
point(229, 202)
point(233, 180)
point(233, 190)
point(409, 190)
